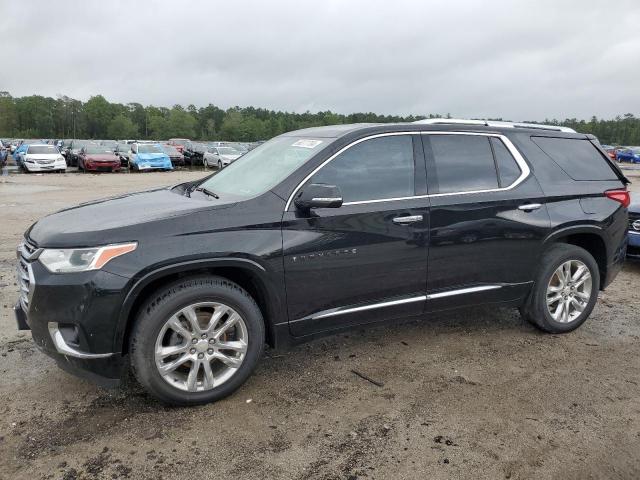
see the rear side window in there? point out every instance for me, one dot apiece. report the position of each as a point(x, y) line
point(463, 163)
point(371, 170)
point(508, 169)
point(578, 158)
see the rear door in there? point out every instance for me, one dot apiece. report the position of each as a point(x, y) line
point(367, 260)
point(488, 220)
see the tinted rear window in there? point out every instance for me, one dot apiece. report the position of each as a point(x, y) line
point(578, 158)
point(463, 163)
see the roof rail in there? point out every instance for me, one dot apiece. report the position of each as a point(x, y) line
point(493, 123)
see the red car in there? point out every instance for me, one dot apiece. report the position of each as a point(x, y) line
point(179, 143)
point(611, 151)
point(98, 158)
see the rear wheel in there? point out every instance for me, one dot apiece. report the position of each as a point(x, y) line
point(565, 290)
point(196, 341)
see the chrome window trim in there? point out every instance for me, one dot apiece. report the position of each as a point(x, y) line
point(525, 171)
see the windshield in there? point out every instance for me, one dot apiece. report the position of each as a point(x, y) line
point(171, 150)
point(148, 149)
point(97, 150)
point(43, 149)
point(123, 147)
point(228, 151)
point(264, 167)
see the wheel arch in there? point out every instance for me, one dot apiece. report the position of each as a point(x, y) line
point(247, 273)
point(590, 237)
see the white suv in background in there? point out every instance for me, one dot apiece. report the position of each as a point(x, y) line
point(43, 158)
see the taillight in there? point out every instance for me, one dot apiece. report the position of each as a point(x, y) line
point(619, 195)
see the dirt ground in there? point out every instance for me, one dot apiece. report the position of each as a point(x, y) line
point(476, 394)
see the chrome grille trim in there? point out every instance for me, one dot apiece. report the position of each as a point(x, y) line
point(26, 253)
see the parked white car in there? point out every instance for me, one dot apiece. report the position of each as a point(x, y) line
point(43, 158)
point(220, 157)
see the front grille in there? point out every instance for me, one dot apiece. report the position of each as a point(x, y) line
point(44, 162)
point(634, 217)
point(24, 282)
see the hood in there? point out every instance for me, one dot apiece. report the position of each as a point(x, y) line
point(230, 157)
point(151, 156)
point(121, 219)
point(101, 157)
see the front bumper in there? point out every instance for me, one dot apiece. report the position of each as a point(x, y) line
point(37, 167)
point(73, 319)
point(102, 166)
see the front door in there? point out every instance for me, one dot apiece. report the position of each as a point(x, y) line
point(367, 260)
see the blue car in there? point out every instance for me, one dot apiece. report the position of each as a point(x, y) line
point(19, 152)
point(633, 248)
point(631, 154)
point(146, 156)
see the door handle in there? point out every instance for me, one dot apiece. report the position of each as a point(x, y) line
point(408, 219)
point(530, 206)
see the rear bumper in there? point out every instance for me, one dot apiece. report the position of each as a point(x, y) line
point(633, 248)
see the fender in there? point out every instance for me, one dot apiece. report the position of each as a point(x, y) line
point(275, 298)
point(580, 228)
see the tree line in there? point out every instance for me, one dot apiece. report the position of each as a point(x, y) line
point(36, 116)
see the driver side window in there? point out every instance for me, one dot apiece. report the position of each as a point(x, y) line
point(374, 169)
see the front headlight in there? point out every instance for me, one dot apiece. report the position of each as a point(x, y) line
point(67, 260)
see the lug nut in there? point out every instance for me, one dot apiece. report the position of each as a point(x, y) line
point(204, 335)
point(201, 355)
point(193, 350)
point(195, 340)
point(212, 341)
point(210, 351)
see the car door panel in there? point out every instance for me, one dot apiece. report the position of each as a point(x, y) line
point(365, 261)
point(341, 260)
point(484, 246)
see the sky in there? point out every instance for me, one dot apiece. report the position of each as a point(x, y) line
point(517, 60)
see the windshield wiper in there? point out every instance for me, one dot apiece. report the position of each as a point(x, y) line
point(207, 192)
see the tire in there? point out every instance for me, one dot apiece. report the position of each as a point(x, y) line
point(535, 309)
point(219, 164)
point(151, 330)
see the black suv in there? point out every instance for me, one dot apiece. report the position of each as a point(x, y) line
point(320, 230)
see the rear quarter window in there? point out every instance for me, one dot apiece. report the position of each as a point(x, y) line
point(580, 159)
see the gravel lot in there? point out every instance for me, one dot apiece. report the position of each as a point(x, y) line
point(475, 394)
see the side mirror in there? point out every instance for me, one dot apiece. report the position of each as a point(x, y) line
point(318, 195)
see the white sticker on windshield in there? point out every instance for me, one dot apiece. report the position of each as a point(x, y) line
point(306, 143)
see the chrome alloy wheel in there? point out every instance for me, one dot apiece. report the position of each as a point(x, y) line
point(201, 346)
point(569, 291)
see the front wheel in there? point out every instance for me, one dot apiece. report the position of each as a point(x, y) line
point(219, 165)
point(565, 290)
point(196, 340)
